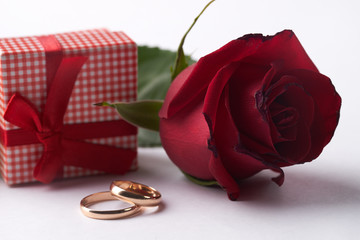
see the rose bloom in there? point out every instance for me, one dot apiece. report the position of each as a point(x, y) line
point(257, 103)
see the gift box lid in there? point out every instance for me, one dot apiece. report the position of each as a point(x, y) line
point(79, 40)
point(110, 73)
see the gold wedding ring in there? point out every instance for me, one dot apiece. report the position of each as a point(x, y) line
point(86, 202)
point(137, 193)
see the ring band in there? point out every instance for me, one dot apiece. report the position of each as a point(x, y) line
point(137, 193)
point(107, 214)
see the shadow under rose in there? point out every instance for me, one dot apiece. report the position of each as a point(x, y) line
point(300, 190)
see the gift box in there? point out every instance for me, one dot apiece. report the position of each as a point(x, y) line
point(49, 125)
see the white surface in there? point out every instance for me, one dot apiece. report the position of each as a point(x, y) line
point(319, 200)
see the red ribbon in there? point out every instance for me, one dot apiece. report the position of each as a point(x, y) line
point(61, 144)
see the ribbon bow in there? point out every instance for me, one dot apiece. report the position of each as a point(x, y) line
point(60, 147)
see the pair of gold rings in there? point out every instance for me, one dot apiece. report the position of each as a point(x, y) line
point(137, 194)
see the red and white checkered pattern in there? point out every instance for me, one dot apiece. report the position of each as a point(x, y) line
point(110, 74)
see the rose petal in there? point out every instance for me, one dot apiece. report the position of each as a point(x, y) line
point(296, 96)
point(207, 67)
point(327, 103)
point(223, 178)
point(288, 93)
point(184, 137)
point(245, 161)
point(287, 134)
point(229, 142)
point(252, 48)
point(174, 89)
point(225, 131)
point(295, 151)
point(284, 121)
point(215, 91)
point(285, 117)
point(228, 165)
point(245, 86)
point(284, 45)
point(279, 87)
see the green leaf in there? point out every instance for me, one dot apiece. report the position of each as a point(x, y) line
point(181, 61)
point(141, 113)
point(201, 181)
point(148, 138)
point(154, 76)
point(154, 79)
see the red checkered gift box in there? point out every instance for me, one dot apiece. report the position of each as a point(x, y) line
point(49, 125)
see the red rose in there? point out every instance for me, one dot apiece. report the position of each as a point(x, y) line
point(257, 103)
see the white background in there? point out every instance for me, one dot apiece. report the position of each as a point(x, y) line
point(319, 200)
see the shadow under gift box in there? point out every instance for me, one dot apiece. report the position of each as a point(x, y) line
point(52, 83)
